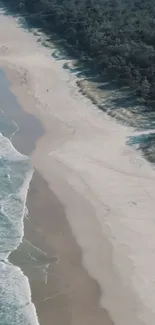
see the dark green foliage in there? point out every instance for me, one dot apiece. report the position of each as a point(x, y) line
point(118, 35)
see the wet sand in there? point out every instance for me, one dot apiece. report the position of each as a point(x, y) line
point(91, 201)
point(71, 296)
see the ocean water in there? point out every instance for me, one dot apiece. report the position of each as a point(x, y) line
point(16, 172)
point(15, 175)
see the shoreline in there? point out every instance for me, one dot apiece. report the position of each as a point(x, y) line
point(53, 295)
point(36, 239)
point(104, 187)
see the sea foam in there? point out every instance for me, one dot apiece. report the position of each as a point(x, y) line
point(15, 295)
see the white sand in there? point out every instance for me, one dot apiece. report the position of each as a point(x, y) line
point(107, 188)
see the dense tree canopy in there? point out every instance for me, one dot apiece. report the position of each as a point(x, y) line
point(119, 36)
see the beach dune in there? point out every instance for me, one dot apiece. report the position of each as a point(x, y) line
point(91, 201)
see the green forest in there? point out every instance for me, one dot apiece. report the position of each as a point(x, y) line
point(118, 36)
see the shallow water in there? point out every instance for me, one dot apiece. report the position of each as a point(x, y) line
point(15, 175)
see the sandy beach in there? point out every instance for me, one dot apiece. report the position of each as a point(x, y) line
point(91, 200)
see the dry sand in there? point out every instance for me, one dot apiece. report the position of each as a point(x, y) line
point(92, 200)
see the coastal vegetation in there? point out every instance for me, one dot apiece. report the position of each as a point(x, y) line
point(118, 36)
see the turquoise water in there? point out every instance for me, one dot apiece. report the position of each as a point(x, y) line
point(16, 172)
